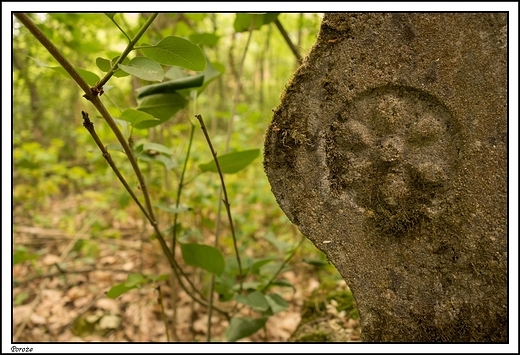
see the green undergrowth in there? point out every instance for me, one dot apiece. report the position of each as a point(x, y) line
point(316, 306)
point(326, 314)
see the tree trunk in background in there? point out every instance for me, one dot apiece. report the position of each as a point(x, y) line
point(33, 95)
point(389, 152)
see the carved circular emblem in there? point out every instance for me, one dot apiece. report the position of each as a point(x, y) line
point(392, 150)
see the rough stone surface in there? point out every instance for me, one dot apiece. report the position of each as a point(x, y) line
point(389, 152)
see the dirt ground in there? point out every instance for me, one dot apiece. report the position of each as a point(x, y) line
point(60, 296)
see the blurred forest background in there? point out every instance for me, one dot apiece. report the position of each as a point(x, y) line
point(86, 264)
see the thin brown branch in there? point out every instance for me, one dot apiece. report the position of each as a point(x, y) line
point(287, 39)
point(163, 314)
point(92, 94)
point(128, 49)
point(226, 200)
point(169, 255)
point(87, 123)
point(282, 266)
point(179, 188)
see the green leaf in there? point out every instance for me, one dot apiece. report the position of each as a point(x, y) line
point(174, 73)
point(205, 39)
point(283, 283)
point(119, 73)
point(40, 63)
point(144, 68)
point(203, 256)
point(172, 208)
point(232, 162)
point(248, 285)
point(18, 300)
point(132, 281)
point(315, 262)
point(134, 117)
point(224, 288)
point(243, 21)
point(212, 71)
point(255, 300)
point(177, 51)
point(171, 86)
point(115, 146)
point(157, 147)
point(21, 254)
point(168, 162)
point(106, 65)
point(111, 15)
point(88, 76)
point(103, 64)
point(157, 278)
point(242, 327)
point(161, 106)
point(118, 290)
point(257, 265)
point(135, 279)
point(279, 244)
point(276, 302)
point(150, 151)
point(26, 163)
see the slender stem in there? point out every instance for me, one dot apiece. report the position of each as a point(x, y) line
point(130, 154)
point(238, 89)
point(163, 314)
point(179, 189)
point(92, 96)
point(89, 95)
point(226, 200)
point(174, 295)
point(293, 48)
point(289, 257)
point(169, 255)
point(120, 29)
point(87, 123)
point(127, 50)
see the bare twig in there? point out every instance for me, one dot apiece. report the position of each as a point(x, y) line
point(92, 95)
point(128, 49)
point(150, 215)
point(287, 259)
point(293, 48)
point(179, 188)
point(238, 89)
point(163, 314)
point(226, 200)
point(87, 123)
point(169, 255)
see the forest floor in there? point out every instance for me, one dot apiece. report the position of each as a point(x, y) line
point(59, 296)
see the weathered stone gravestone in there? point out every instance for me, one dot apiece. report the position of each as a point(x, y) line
point(389, 152)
